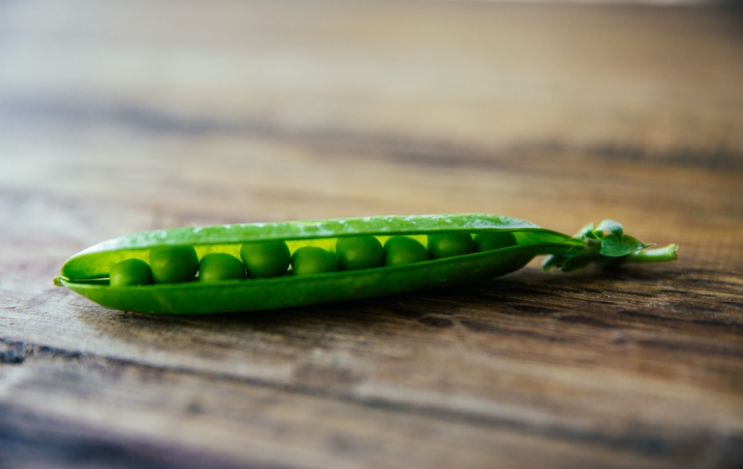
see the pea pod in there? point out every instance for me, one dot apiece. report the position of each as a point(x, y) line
point(87, 272)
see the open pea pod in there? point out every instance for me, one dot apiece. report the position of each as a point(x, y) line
point(87, 272)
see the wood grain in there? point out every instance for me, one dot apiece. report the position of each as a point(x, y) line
point(140, 115)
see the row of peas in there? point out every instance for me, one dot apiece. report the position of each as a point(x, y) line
point(265, 259)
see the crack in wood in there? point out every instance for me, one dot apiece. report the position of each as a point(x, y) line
point(26, 436)
point(439, 154)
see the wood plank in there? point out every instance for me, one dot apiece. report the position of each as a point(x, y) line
point(235, 420)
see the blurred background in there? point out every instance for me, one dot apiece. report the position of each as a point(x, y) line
point(124, 116)
point(170, 113)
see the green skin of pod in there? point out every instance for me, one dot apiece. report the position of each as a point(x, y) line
point(218, 266)
point(264, 259)
point(489, 241)
point(174, 264)
point(400, 250)
point(313, 260)
point(359, 252)
point(131, 272)
point(449, 245)
point(88, 272)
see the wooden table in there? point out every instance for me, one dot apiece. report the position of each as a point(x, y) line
point(127, 116)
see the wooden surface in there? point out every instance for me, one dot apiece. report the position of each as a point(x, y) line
point(130, 116)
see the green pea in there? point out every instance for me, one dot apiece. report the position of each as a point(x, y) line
point(449, 244)
point(173, 264)
point(265, 259)
point(130, 272)
point(400, 250)
point(219, 266)
point(313, 260)
point(359, 252)
point(495, 240)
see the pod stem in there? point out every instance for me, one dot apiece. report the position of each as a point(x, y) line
point(664, 254)
point(609, 246)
